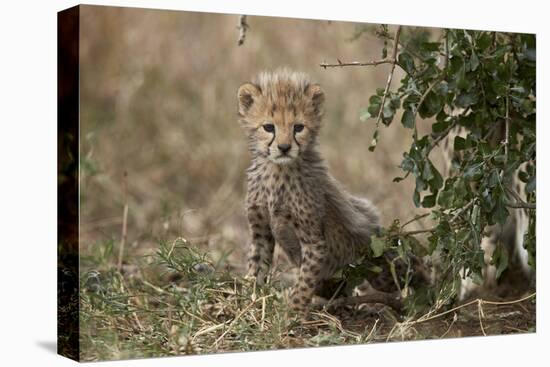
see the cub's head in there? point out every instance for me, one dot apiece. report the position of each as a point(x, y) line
point(281, 112)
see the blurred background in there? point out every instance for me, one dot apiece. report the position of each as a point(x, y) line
point(159, 128)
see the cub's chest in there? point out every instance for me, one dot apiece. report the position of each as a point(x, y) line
point(278, 191)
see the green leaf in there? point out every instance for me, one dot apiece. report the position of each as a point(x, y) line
point(441, 126)
point(364, 114)
point(388, 111)
point(437, 181)
point(407, 164)
point(395, 101)
point(406, 62)
point(417, 248)
point(421, 185)
point(445, 199)
point(461, 190)
point(442, 88)
point(531, 185)
point(427, 174)
point(494, 178)
point(377, 246)
point(477, 277)
point(433, 103)
point(500, 213)
point(373, 109)
point(523, 176)
point(483, 41)
point(430, 46)
point(374, 105)
point(474, 62)
point(500, 259)
point(487, 201)
point(408, 119)
point(429, 201)
point(380, 93)
point(416, 199)
point(459, 143)
point(466, 99)
point(472, 172)
point(375, 269)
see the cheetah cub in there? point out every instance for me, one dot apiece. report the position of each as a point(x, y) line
point(291, 198)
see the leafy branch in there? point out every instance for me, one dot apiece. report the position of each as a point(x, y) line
point(481, 84)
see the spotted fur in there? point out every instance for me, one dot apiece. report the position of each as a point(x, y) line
point(291, 197)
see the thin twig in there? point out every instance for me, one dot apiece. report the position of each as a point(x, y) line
point(357, 63)
point(418, 217)
point(442, 136)
point(340, 286)
point(450, 326)
point(124, 222)
point(420, 320)
point(506, 130)
point(418, 231)
point(480, 316)
point(510, 302)
point(390, 76)
point(242, 27)
point(455, 217)
point(372, 330)
point(462, 210)
point(520, 203)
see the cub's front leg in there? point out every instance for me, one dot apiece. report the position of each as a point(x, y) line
point(262, 243)
point(312, 267)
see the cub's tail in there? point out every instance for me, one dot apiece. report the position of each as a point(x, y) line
point(369, 211)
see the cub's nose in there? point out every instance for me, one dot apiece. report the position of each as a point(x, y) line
point(284, 148)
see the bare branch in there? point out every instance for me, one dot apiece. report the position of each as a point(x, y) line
point(242, 27)
point(418, 217)
point(357, 63)
point(390, 76)
point(506, 130)
point(441, 136)
point(520, 205)
point(418, 231)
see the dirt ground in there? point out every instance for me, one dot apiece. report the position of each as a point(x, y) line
point(471, 320)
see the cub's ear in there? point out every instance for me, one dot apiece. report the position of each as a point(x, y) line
point(317, 96)
point(246, 94)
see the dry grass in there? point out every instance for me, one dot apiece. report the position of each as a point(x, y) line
point(178, 301)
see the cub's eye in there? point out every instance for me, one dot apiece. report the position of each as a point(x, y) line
point(269, 128)
point(298, 127)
